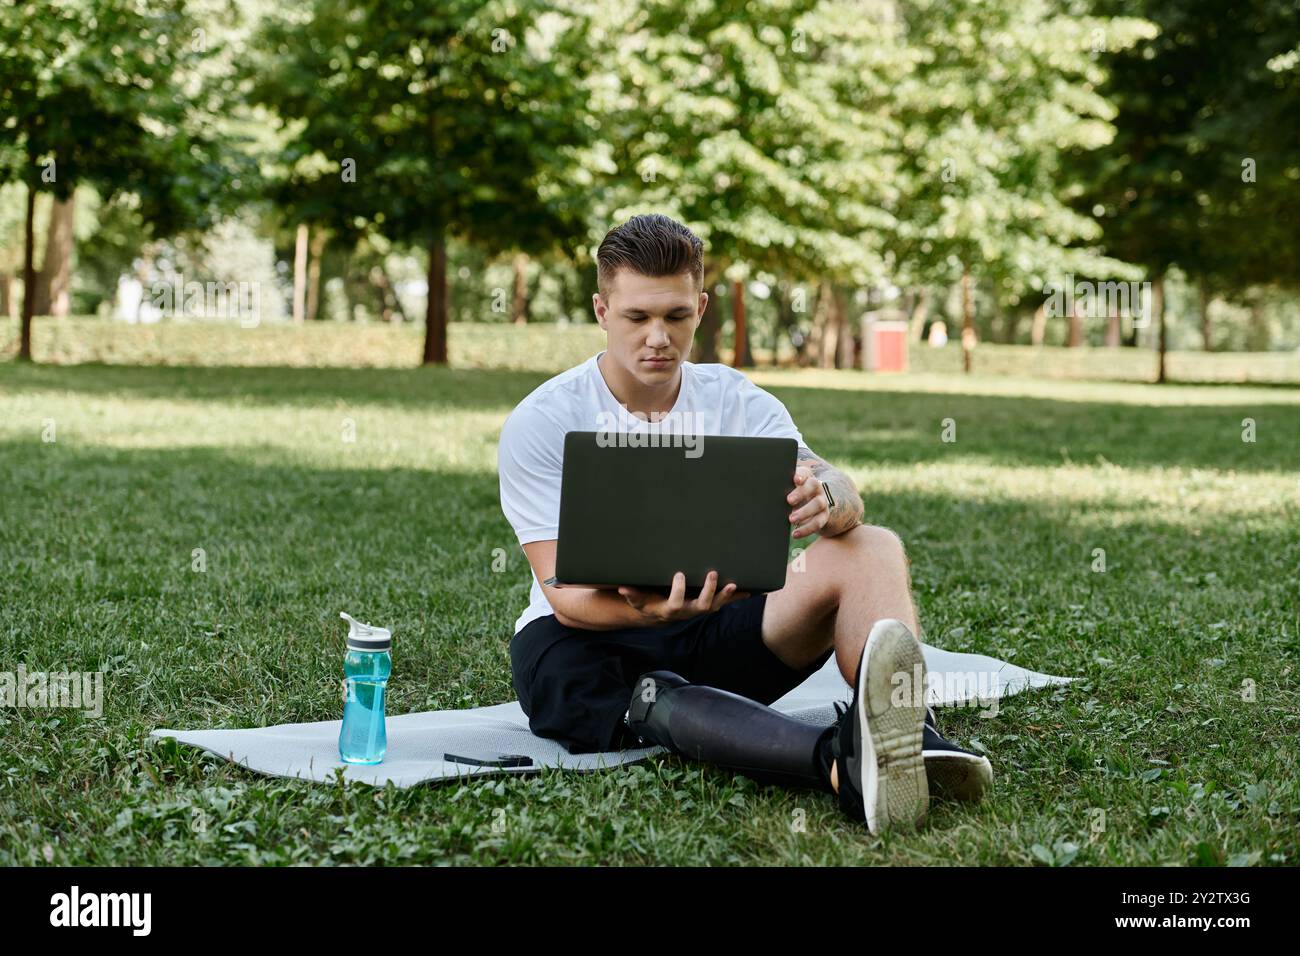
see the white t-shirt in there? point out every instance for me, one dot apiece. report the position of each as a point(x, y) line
point(713, 400)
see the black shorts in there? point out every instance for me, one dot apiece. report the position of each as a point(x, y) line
point(575, 685)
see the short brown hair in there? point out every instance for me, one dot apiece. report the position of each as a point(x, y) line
point(651, 245)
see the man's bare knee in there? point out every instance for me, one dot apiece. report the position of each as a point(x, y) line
point(876, 539)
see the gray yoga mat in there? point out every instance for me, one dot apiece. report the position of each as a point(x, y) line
point(443, 744)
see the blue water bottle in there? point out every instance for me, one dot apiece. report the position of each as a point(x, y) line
point(365, 678)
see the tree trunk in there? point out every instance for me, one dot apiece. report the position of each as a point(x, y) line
point(1257, 335)
point(920, 312)
point(784, 320)
point(1129, 339)
point(29, 278)
point(846, 356)
point(564, 293)
point(1075, 337)
point(435, 317)
point(828, 350)
point(313, 274)
point(1011, 327)
point(392, 305)
point(1204, 288)
point(383, 288)
point(1158, 307)
point(1039, 327)
point(300, 275)
point(519, 310)
point(967, 320)
point(1112, 328)
point(54, 281)
point(6, 297)
point(740, 357)
point(709, 331)
point(142, 277)
point(350, 283)
point(810, 353)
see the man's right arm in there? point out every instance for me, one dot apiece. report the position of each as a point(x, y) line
point(529, 464)
point(597, 609)
point(592, 609)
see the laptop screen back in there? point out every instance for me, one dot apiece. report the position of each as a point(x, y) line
point(636, 515)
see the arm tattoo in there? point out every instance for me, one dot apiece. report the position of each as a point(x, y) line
point(848, 509)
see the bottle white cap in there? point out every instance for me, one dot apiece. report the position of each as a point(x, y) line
point(364, 637)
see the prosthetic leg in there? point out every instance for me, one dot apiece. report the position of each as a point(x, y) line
point(719, 727)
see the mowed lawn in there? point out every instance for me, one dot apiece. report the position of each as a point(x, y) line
point(1177, 747)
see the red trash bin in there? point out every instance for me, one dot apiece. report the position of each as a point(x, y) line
point(885, 345)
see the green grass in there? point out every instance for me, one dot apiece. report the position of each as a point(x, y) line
point(98, 528)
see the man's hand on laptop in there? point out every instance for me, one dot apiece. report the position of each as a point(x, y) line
point(809, 508)
point(675, 607)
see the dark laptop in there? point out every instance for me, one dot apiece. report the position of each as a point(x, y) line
point(636, 515)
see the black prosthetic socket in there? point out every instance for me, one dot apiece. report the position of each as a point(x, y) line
point(722, 728)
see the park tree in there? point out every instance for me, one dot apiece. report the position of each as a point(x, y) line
point(420, 122)
point(1001, 89)
point(760, 133)
point(12, 221)
point(104, 92)
point(1202, 173)
point(851, 143)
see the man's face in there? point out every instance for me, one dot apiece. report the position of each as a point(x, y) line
point(650, 322)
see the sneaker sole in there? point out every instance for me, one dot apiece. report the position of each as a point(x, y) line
point(893, 785)
point(954, 776)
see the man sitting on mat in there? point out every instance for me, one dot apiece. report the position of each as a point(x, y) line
point(603, 669)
